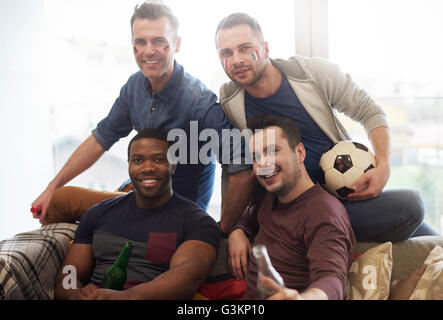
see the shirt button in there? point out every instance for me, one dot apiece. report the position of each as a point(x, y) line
point(153, 108)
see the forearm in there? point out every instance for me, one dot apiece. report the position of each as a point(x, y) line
point(82, 159)
point(314, 294)
point(175, 284)
point(380, 140)
point(239, 194)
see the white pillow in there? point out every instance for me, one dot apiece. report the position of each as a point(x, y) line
point(369, 277)
point(430, 285)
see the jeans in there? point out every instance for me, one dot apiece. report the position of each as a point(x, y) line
point(395, 215)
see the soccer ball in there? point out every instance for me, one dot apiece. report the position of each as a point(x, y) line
point(342, 164)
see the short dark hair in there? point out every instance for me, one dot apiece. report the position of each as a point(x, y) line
point(150, 133)
point(238, 18)
point(289, 127)
point(154, 11)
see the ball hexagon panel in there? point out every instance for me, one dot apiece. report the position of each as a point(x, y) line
point(351, 176)
point(344, 147)
point(362, 159)
point(327, 160)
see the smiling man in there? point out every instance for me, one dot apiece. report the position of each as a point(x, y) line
point(174, 240)
point(160, 95)
point(305, 229)
point(310, 91)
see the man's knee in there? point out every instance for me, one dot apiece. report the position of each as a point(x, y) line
point(413, 206)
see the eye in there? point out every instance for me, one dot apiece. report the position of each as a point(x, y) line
point(136, 160)
point(225, 54)
point(139, 42)
point(160, 159)
point(159, 41)
point(245, 49)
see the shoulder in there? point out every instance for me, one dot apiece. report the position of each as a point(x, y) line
point(111, 203)
point(228, 90)
point(327, 206)
point(189, 207)
point(193, 86)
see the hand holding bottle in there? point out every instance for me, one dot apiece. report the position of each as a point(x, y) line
point(265, 269)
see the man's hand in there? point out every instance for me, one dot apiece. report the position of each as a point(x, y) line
point(239, 248)
point(280, 293)
point(43, 202)
point(105, 294)
point(370, 184)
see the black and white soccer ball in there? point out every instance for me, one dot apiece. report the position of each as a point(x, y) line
point(342, 165)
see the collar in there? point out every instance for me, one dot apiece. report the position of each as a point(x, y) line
point(169, 90)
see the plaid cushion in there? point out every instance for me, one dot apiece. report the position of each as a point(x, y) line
point(30, 261)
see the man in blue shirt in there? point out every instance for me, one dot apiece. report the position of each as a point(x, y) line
point(161, 95)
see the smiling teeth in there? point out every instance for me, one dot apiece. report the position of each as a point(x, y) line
point(271, 175)
point(149, 181)
point(151, 62)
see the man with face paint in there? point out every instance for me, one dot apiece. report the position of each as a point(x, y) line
point(310, 91)
point(160, 96)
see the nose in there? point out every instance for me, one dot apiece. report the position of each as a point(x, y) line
point(148, 167)
point(237, 58)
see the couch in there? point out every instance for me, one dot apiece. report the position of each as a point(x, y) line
point(30, 261)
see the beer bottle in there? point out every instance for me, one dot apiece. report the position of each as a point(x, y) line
point(115, 276)
point(265, 268)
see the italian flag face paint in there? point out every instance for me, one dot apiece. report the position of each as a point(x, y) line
point(255, 55)
point(225, 64)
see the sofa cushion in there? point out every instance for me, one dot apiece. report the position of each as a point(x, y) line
point(407, 255)
point(369, 277)
point(29, 262)
point(430, 286)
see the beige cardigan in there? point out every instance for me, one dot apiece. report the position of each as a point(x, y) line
point(322, 89)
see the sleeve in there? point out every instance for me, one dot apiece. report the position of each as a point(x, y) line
point(117, 124)
point(329, 240)
point(232, 149)
point(200, 226)
point(248, 221)
point(85, 230)
point(346, 96)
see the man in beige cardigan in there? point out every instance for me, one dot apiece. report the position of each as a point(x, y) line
point(310, 91)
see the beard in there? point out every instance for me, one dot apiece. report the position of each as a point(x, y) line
point(286, 186)
point(256, 76)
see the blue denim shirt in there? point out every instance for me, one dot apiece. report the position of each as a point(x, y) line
point(184, 98)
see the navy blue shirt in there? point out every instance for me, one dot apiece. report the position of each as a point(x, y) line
point(183, 99)
point(155, 234)
point(285, 103)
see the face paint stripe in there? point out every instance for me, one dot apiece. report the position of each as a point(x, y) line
point(255, 55)
point(225, 64)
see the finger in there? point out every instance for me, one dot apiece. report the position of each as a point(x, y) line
point(269, 283)
point(244, 265)
point(43, 214)
point(361, 183)
point(238, 268)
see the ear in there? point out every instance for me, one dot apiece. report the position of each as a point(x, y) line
point(173, 168)
point(178, 42)
point(301, 151)
point(266, 49)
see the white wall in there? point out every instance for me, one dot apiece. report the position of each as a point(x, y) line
point(24, 114)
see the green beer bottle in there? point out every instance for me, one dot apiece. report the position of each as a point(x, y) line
point(115, 276)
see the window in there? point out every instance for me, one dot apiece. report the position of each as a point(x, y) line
point(391, 49)
point(76, 56)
